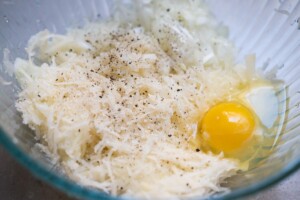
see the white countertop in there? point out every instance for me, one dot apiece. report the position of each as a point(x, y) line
point(16, 183)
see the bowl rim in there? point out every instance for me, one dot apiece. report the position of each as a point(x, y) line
point(75, 190)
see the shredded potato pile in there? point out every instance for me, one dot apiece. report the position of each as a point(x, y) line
point(117, 104)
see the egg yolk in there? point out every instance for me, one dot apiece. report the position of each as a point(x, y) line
point(227, 126)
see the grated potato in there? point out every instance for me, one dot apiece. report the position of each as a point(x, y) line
point(118, 103)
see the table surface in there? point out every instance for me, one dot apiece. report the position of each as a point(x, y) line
point(17, 183)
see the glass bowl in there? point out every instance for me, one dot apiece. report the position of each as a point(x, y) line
point(269, 29)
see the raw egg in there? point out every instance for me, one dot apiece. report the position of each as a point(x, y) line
point(227, 126)
point(241, 125)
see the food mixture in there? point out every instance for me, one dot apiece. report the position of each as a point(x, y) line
point(119, 103)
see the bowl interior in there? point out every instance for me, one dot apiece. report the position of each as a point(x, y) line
point(269, 29)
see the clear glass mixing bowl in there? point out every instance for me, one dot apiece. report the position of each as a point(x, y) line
point(268, 28)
